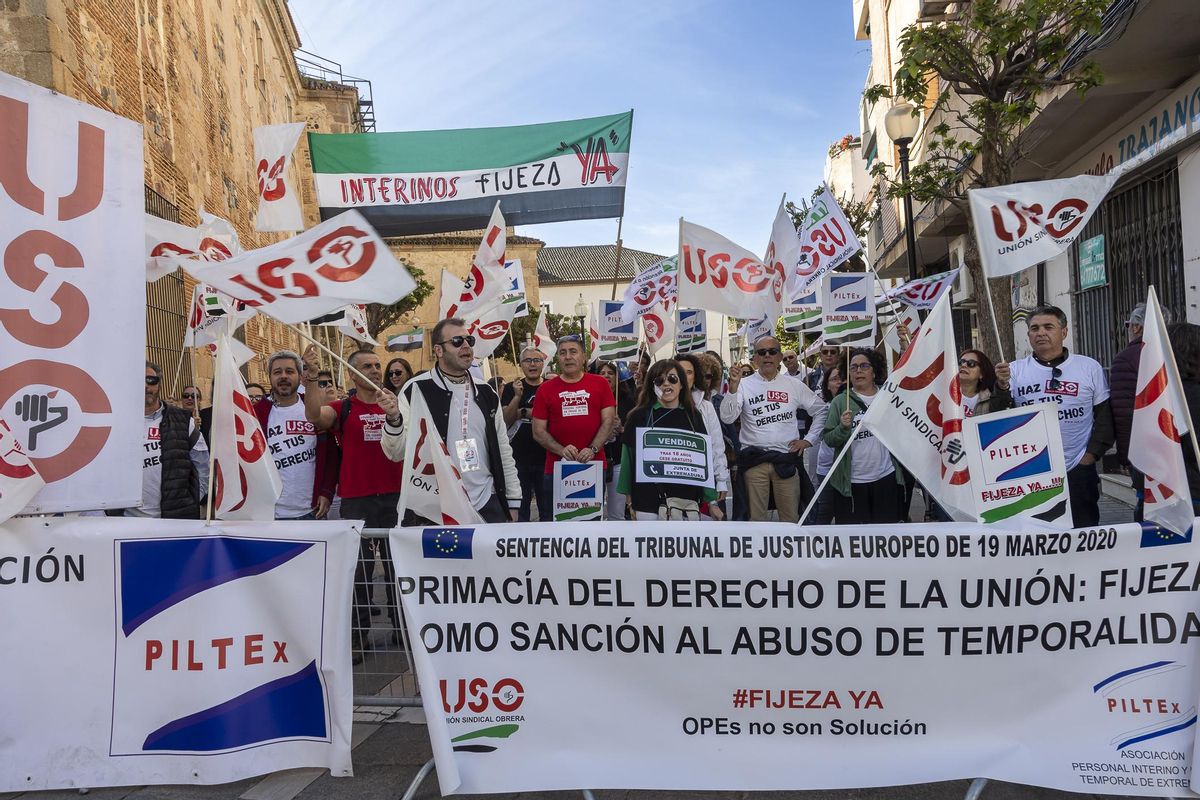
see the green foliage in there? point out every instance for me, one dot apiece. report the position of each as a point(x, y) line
point(382, 316)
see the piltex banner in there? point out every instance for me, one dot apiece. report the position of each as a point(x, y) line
point(691, 330)
point(618, 339)
point(881, 655)
point(848, 316)
point(196, 654)
point(578, 490)
point(439, 181)
point(71, 209)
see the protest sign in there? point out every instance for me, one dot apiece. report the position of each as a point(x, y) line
point(1023, 224)
point(1016, 462)
point(726, 278)
point(515, 293)
point(197, 654)
point(754, 329)
point(803, 313)
point(827, 241)
point(578, 491)
point(848, 314)
point(884, 655)
point(618, 340)
point(691, 332)
point(654, 287)
point(278, 200)
point(339, 262)
point(673, 456)
point(439, 181)
point(70, 212)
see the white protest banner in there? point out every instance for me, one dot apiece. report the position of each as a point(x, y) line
point(450, 291)
point(754, 329)
point(654, 287)
point(618, 339)
point(168, 243)
point(278, 200)
point(515, 293)
point(887, 654)
point(543, 342)
point(673, 456)
point(428, 469)
point(1160, 423)
point(490, 328)
point(691, 330)
point(593, 334)
point(339, 262)
point(848, 314)
point(1016, 464)
point(725, 278)
point(198, 654)
point(918, 415)
point(486, 282)
point(923, 293)
point(19, 479)
point(71, 199)
point(803, 313)
point(827, 241)
point(783, 248)
point(246, 484)
point(578, 491)
point(659, 327)
point(1024, 224)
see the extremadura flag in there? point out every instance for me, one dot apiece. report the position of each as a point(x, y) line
point(437, 181)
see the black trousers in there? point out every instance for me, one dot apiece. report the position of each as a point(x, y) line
point(1084, 484)
point(876, 502)
point(376, 511)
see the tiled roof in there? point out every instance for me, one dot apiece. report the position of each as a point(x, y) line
point(589, 264)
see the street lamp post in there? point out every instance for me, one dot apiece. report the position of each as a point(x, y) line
point(901, 126)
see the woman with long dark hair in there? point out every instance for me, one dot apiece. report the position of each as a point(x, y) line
point(831, 385)
point(867, 480)
point(666, 403)
point(982, 391)
point(697, 373)
point(398, 373)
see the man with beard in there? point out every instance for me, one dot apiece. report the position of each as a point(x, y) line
point(302, 455)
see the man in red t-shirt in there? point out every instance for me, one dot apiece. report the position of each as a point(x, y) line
point(369, 482)
point(574, 413)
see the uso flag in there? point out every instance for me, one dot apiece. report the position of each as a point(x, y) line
point(246, 483)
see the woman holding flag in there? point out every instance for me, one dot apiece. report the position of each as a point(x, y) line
point(664, 402)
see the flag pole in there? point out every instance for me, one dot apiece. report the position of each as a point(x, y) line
point(513, 344)
point(335, 357)
point(841, 454)
point(617, 268)
point(212, 476)
point(178, 371)
point(987, 284)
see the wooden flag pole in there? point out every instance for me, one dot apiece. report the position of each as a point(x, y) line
point(178, 371)
point(336, 357)
point(617, 268)
point(513, 344)
point(212, 477)
point(987, 282)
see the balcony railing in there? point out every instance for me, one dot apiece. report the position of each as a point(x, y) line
point(320, 70)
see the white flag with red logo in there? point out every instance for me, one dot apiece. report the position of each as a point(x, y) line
point(1024, 224)
point(827, 241)
point(719, 276)
point(659, 327)
point(350, 320)
point(654, 287)
point(278, 201)
point(542, 341)
point(923, 293)
point(490, 328)
point(593, 334)
point(168, 243)
point(432, 487)
point(1160, 422)
point(19, 478)
point(337, 263)
point(487, 282)
point(246, 483)
point(451, 292)
point(783, 248)
point(918, 415)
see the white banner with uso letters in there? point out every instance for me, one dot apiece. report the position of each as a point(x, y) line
point(760, 656)
point(166, 651)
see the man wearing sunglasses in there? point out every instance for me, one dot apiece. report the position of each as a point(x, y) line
point(530, 456)
point(175, 458)
point(766, 403)
point(1077, 384)
point(467, 415)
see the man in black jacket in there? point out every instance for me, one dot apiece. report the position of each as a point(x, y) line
point(175, 463)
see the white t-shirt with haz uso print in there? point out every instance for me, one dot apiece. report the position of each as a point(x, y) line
point(292, 440)
point(1081, 386)
point(767, 409)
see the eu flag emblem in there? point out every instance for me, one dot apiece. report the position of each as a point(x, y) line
point(446, 542)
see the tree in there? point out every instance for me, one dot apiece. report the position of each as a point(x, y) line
point(995, 61)
point(381, 316)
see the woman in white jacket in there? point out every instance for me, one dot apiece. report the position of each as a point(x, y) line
point(697, 383)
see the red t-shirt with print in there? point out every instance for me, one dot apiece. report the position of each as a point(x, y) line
point(365, 468)
point(572, 411)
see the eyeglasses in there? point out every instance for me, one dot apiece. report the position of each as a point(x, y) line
point(324, 384)
point(670, 378)
point(860, 366)
point(533, 361)
point(457, 341)
point(190, 396)
point(767, 351)
point(254, 398)
point(1055, 374)
point(399, 373)
point(968, 362)
point(152, 380)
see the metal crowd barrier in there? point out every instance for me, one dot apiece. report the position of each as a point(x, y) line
point(383, 667)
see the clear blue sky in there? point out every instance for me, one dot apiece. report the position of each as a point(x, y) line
point(735, 102)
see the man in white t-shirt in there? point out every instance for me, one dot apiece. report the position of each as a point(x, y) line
point(1078, 385)
point(175, 458)
point(766, 403)
point(296, 446)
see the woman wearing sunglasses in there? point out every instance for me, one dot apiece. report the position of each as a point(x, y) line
point(664, 403)
point(982, 392)
point(398, 373)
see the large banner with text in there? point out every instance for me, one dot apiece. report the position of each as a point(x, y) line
point(154, 651)
point(771, 657)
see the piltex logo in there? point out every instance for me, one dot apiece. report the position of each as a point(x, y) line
point(196, 656)
point(480, 697)
point(1140, 699)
